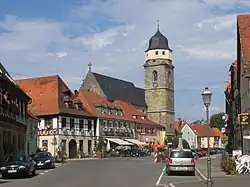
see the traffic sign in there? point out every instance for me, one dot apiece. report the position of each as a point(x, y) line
point(244, 119)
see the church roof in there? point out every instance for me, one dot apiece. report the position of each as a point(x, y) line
point(117, 89)
point(158, 41)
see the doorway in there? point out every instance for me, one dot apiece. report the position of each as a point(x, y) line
point(72, 149)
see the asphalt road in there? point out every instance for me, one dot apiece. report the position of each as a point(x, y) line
point(122, 172)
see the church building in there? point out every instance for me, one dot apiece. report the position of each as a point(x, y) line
point(157, 98)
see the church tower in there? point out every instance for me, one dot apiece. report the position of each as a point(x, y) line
point(159, 82)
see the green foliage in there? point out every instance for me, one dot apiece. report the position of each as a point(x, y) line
point(100, 147)
point(217, 121)
point(228, 165)
point(224, 139)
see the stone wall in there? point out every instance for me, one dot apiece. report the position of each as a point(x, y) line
point(159, 95)
point(91, 84)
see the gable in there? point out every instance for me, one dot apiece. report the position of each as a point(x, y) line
point(91, 84)
point(187, 129)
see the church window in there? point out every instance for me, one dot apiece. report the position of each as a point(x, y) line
point(156, 52)
point(155, 76)
point(163, 52)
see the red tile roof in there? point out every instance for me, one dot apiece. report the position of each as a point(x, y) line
point(91, 99)
point(243, 23)
point(131, 111)
point(47, 96)
point(202, 130)
point(217, 132)
point(31, 115)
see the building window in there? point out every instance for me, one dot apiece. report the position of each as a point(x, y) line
point(156, 52)
point(63, 122)
point(72, 123)
point(81, 124)
point(163, 52)
point(155, 75)
point(48, 122)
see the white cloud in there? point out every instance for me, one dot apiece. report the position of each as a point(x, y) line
point(196, 34)
point(58, 54)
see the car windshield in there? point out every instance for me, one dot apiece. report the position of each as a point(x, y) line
point(18, 158)
point(42, 154)
point(181, 154)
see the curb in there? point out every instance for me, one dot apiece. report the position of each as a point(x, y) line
point(200, 174)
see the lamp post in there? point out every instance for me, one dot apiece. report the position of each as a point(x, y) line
point(206, 97)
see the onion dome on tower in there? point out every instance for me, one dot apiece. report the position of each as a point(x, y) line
point(158, 41)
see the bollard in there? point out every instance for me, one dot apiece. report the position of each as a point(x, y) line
point(155, 157)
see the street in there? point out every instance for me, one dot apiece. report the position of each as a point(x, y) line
point(113, 172)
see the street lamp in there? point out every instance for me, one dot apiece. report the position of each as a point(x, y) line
point(206, 97)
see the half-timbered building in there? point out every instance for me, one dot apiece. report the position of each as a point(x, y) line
point(13, 116)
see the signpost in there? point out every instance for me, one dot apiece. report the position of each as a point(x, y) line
point(244, 119)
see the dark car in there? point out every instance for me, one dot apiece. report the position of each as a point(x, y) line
point(18, 165)
point(44, 160)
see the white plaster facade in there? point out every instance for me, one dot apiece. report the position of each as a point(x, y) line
point(72, 138)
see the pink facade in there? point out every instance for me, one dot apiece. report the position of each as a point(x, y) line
point(148, 134)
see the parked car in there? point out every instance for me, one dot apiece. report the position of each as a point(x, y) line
point(202, 152)
point(198, 154)
point(18, 165)
point(180, 160)
point(44, 160)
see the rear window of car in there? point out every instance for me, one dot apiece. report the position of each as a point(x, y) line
point(181, 154)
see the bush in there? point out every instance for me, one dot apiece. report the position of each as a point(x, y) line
point(228, 165)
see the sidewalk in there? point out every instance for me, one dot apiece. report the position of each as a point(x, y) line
point(220, 182)
point(201, 167)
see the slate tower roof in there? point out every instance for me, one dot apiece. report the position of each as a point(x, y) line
point(158, 41)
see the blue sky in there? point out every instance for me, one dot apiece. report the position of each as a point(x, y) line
point(40, 38)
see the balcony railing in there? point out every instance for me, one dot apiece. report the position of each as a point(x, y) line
point(12, 116)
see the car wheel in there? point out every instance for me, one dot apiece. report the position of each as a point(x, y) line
point(34, 172)
point(192, 173)
point(4, 177)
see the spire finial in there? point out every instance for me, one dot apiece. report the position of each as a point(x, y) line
point(158, 24)
point(90, 64)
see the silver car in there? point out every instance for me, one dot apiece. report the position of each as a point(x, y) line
point(181, 160)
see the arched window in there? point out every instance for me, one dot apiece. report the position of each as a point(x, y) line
point(155, 76)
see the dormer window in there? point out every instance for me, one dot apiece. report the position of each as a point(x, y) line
point(134, 117)
point(156, 52)
point(68, 102)
point(163, 52)
point(78, 104)
point(142, 117)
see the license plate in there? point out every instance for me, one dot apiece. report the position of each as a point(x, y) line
point(181, 168)
point(12, 171)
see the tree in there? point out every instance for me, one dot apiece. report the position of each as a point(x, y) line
point(217, 121)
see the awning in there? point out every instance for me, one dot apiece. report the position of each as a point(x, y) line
point(135, 141)
point(119, 141)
